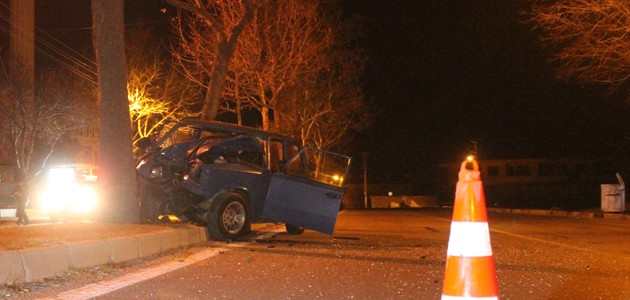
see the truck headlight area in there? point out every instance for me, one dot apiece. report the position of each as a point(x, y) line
point(63, 192)
point(156, 172)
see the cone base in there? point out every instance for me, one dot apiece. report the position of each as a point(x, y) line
point(445, 297)
point(473, 277)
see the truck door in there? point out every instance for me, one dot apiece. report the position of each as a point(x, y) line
point(308, 191)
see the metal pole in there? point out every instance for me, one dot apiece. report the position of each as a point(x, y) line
point(365, 180)
point(475, 148)
point(22, 45)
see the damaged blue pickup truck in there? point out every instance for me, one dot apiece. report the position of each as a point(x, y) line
point(227, 177)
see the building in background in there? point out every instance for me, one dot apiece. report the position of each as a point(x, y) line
point(353, 197)
point(534, 183)
point(85, 142)
point(7, 169)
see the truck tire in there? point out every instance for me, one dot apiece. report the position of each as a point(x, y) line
point(228, 218)
point(293, 229)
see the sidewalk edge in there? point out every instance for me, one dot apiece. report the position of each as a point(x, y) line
point(32, 264)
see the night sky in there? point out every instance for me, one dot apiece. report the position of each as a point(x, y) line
point(443, 73)
point(440, 74)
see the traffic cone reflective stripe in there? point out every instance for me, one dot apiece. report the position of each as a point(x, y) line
point(469, 239)
point(470, 268)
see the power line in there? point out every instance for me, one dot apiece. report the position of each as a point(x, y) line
point(70, 49)
point(71, 68)
point(89, 28)
point(82, 61)
point(81, 66)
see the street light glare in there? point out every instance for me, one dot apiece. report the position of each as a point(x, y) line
point(470, 158)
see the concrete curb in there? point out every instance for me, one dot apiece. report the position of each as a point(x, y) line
point(560, 213)
point(32, 264)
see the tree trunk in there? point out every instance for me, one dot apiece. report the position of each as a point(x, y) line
point(276, 120)
point(239, 116)
point(217, 82)
point(116, 166)
point(225, 51)
point(264, 115)
point(237, 98)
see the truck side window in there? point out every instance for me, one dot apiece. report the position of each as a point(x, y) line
point(183, 136)
point(251, 157)
point(296, 165)
point(292, 151)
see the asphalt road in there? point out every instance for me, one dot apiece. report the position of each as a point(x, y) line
point(400, 254)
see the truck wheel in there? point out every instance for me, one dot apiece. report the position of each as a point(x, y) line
point(293, 229)
point(228, 218)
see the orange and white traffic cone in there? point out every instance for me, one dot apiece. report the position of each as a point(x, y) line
point(470, 269)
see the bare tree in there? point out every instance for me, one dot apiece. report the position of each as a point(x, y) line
point(35, 125)
point(151, 106)
point(236, 96)
point(323, 110)
point(286, 42)
point(592, 38)
point(116, 166)
point(208, 34)
point(324, 106)
point(157, 95)
point(289, 60)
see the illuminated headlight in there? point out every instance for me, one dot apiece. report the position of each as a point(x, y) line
point(56, 192)
point(156, 172)
point(85, 201)
point(52, 201)
point(63, 176)
point(62, 193)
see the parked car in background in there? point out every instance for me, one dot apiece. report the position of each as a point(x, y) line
point(227, 177)
point(8, 203)
point(59, 192)
point(66, 191)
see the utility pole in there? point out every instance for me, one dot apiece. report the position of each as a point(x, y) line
point(117, 176)
point(22, 63)
point(22, 44)
point(475, 148)
point(366, 197)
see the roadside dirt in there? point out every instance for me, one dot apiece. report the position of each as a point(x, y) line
point(41, 235)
